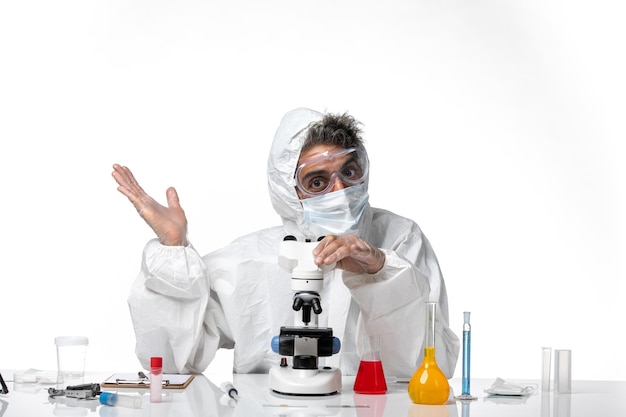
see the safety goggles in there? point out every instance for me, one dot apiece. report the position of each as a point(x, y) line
point(317, 174)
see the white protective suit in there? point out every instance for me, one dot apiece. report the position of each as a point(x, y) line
point(184, 307)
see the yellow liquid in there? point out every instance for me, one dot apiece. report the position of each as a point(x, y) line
point(429, 384)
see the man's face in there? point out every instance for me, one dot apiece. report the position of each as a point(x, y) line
point(323, 169)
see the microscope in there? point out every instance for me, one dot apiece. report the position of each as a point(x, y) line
point(305, 341)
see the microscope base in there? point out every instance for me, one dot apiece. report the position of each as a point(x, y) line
point(289, 381)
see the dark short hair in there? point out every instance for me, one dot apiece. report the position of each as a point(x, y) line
point(334, 129)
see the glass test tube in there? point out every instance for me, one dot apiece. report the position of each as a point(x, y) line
point(546, 354)
point(562, 371)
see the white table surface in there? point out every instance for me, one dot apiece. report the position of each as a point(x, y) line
point(202, 398)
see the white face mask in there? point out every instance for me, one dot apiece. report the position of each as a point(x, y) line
point(336, 213)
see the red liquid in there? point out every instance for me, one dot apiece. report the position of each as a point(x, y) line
point(370, 379)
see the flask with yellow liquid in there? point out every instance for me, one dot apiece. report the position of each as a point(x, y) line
point(429, 384)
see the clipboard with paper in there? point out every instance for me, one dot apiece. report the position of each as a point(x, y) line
point(140, 380)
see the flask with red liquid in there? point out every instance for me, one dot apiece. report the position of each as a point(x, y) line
point(370, 378)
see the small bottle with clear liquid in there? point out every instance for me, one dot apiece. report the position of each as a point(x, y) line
point(429, 385)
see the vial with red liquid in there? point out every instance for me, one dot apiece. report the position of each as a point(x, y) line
point(156, 379)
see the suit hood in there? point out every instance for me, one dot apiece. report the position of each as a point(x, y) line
point(281, 168)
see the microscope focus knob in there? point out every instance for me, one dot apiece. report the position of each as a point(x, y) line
point(275, 344)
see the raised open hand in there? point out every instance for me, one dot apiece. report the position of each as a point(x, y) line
point(169, 223)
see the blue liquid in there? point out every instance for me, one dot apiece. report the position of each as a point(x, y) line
point(466, 362)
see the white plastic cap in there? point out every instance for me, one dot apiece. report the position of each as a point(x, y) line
point(71, 340)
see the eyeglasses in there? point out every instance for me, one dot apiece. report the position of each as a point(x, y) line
point(3, 387)
point(316, 175)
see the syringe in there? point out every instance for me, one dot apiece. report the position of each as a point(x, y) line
point(230, 390)
point(231, 395)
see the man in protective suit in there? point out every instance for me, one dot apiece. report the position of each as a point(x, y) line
point(185, 306)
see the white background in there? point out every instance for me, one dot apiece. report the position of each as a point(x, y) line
point(497, 125)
